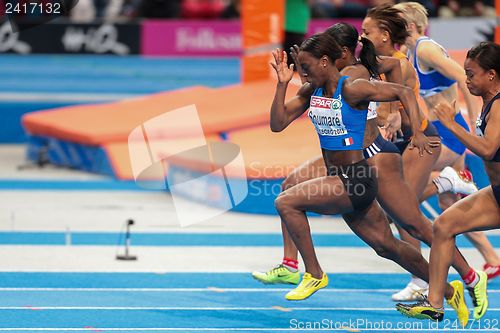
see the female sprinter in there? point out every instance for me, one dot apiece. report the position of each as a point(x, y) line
point(386, 28)
point(481, 210)
point(350, 186)
point(393, 190)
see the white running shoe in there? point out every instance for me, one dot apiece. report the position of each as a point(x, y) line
point(410, 293)
point(461, 182)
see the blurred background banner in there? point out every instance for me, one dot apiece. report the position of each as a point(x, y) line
point(220, 38)
point(191, 38)
point(69, 37)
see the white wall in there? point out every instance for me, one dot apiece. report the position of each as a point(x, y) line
point(460, 33)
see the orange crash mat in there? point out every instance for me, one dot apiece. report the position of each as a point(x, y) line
point(266, 155)
point(220, 110)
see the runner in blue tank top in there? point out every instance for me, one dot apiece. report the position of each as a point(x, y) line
point(394, 193)
point(481, 210)
point(337, 106)
point(440, 79)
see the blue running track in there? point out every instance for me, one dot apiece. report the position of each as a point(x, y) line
point(194, 302)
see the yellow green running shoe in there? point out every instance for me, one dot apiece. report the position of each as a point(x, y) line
point(421, 310)
point(277, 275)
point(479, 295)
point(307, 287)
point(457, 302)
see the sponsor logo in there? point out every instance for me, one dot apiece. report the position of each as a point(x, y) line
point(205, 39)
point(321, 102)
point(99, 40)
point(9, 41)
point(326, 103)
point(336, 104)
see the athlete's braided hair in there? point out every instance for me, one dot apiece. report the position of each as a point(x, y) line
point(391, 20)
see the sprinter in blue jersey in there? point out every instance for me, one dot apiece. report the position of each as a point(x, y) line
point(394, 193)
point(337, 106)
point(481, 210)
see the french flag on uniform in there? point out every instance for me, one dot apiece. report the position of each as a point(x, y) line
point(348, 141)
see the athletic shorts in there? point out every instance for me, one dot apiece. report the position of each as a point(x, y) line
point(380, 145)
point(403, 142)
point(447, 138)
point(360, 183)
point(496, 193)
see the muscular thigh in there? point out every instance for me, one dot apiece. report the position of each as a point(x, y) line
point(417, 169)
point(478, 211)
point(389, 169)
point(324, 195)
point(448, 157)
point(393, 190)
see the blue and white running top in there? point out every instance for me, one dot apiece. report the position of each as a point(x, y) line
point(431, 82)
point(339, 127)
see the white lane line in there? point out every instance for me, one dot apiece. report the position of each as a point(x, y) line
point(188, 308)
point(430, 209)
point(208, 289)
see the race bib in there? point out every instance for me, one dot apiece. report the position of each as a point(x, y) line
point(372, 110)
point(326, 116)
